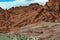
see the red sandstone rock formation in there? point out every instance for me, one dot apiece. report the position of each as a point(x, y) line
point(26, 15)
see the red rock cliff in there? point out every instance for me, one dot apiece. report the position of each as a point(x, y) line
point(26, 15)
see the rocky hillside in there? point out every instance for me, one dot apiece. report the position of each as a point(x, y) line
point(42, 31)
point(18, 17)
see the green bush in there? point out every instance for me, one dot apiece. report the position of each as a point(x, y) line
point(14, 37)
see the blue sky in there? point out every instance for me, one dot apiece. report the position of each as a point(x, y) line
point(6, 4)
point(6, 0)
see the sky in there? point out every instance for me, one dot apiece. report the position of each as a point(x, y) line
point(6, 4)
point(6, 0)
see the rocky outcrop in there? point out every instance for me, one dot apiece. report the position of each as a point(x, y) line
point(42, 31)
point(17, 17)
point(53, 5)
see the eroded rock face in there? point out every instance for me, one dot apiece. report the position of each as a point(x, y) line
point(17, 17)
point(53, 5)
point(42, 31)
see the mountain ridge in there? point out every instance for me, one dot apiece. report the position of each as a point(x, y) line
point(21, 16)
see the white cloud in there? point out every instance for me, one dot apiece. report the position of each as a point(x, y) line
point(7, 5)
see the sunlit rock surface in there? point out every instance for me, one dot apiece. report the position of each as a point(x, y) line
point(17, 17)
point(42, 31)
point(34, 20)
point(37, 31)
